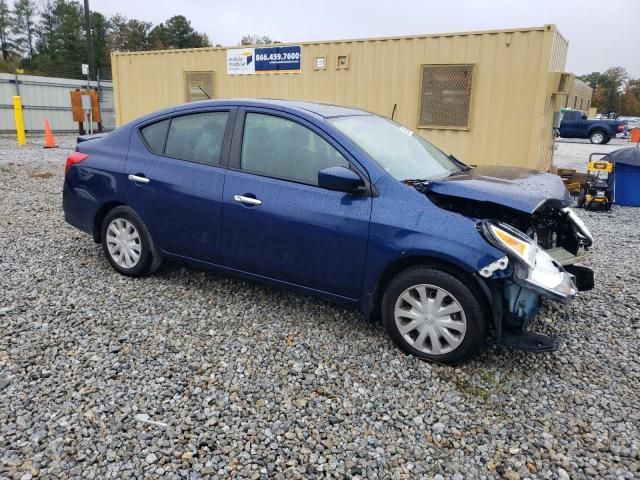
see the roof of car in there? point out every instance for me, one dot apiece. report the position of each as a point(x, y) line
point(324, 110)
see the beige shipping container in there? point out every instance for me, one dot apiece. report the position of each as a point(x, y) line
point(487, 97)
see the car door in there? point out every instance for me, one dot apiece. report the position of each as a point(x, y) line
point(176, 180)
point(277, 222)
point(570, 125)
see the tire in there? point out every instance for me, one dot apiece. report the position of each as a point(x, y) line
point(466, 329)
point(598, 137)
point(122, 227)
point(606, 140)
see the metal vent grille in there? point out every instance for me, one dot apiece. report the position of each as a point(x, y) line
point(196, 84)
point(563, 82)
point(445, 95)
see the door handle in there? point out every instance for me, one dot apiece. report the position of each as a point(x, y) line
point(247, 200)
point(138, 179)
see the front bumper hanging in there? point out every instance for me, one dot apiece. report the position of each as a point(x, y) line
point(515, 304)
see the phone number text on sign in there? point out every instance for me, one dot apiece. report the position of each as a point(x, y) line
point(284, 59)
point(277, 56)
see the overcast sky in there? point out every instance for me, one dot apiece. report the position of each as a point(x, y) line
point(601, 33)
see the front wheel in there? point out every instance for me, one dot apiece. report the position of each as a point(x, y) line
point(433, 315)
point(127, 244)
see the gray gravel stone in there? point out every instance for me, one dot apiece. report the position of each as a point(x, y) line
point(245, 381)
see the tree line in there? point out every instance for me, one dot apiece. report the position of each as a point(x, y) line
point(49, 37)
point(614, 91)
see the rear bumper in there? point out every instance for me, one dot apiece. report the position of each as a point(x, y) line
point(79, 208)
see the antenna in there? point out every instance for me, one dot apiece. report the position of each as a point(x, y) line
point(202, 89)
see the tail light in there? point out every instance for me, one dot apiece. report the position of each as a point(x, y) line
point(74, 158)
point(621, 128)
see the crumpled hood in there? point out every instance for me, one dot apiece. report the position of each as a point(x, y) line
point(518, 188)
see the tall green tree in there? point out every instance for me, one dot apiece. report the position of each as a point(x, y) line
point(631, 98)
point(99, 35)
point(23, 28)
point(61, 43)
point(180, 34)
point(5, 30)
point(70, 41)
point(117, 33)
point(137, 35)
point(158, 39)
point(608, 88)
point(52, 39)
point(46, 28)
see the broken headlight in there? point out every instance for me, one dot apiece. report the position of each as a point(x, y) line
point(579, 225)
point(511, 241)
point(533, 267)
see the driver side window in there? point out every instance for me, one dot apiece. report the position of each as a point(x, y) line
point(277, 147)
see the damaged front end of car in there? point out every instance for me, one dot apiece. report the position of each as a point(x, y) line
point(541, 249)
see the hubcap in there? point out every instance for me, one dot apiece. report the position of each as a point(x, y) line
point(430, 319)
point(123, 243)
point(597, 138)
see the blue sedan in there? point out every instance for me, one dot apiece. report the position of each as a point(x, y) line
point(338, 203)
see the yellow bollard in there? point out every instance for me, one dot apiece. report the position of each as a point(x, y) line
point(17, 109)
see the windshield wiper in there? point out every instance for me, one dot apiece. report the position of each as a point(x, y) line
point(414, 181)
point(459, 164)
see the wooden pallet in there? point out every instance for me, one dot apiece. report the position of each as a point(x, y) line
point(574, 181)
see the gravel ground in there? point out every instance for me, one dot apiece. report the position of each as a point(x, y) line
point(187, 374)
point(574, 152)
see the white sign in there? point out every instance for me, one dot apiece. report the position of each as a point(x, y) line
point(241, 61)
point(85, 69)
point(86, 102)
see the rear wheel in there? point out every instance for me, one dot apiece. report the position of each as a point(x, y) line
point(432, 314)
point(598, 137)
point(127, 244)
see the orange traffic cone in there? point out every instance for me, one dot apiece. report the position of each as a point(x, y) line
point(49, 141)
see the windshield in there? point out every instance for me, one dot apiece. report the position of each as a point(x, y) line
point(405, 155)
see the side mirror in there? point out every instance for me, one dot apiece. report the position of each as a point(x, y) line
point(339, 179)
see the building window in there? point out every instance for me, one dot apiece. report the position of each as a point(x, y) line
point(588, 105)
point(198, 86)
point(445, 96)
point(575, 101)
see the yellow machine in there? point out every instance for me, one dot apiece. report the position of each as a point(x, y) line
point(596, 192)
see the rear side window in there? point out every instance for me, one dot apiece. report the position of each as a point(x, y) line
point(572, 115)
point(277, 147)
point(155, 134)
point(197, 137)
